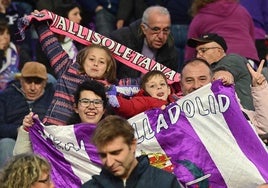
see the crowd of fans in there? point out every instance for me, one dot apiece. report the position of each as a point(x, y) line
point(65, 82)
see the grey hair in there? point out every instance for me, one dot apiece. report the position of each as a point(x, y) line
point(157, 8)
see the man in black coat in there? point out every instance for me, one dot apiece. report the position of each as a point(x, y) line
point(32, 93)
point(149, 36)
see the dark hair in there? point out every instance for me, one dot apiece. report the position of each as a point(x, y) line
point(150, 74)
point(110, 73)
point(111, 127)
point(4, 26)
point(64, 8)
point(89, 85)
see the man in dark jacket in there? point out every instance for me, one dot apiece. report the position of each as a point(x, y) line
point(116, 145)
point(31, 93)
point(149, 36)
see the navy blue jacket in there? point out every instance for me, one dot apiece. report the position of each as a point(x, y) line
point(14, 106)
point(143, 175)
point(110, 5)
point(179, 11)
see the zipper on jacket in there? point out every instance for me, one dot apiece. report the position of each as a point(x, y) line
point(109, 4)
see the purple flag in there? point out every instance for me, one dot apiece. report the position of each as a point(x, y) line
point(203, 139)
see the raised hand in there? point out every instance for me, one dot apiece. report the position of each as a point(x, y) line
point(28, 120)
point(258, 78)
point(225, 76)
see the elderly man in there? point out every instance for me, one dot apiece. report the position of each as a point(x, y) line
point(212, 48)
point(116, 145)
point(149, 36)
point(31, 93)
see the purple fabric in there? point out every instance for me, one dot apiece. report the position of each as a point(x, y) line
point(179, 140)
point(54, 156)
point(184, 143)
point(62, 173)
point(84, 132)
point(244, 135)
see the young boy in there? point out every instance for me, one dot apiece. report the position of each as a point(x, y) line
point(154, 93)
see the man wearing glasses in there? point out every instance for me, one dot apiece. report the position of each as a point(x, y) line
point(30, 93)
point(212, 48)
point(149, 36)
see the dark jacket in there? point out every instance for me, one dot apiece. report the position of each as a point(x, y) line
point(143, 175)
point(179, 11)
point(236, 65)
point(109, 5)
point(133, 9)
point(133, 38)
point(14, 106)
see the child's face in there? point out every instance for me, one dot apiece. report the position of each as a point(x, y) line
point(96, 63)
point(157, 87)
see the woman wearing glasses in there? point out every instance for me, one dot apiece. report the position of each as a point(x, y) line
point(90, 107)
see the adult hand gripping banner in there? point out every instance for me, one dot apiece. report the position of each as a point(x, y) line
point(202, 138)
point(86, 36)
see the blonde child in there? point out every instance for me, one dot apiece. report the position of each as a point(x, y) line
point(92, 62)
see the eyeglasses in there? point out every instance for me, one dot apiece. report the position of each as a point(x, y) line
point(45, 181)
point(86, 102)
point(35, 80)
point(203, 50)
point(157, 30)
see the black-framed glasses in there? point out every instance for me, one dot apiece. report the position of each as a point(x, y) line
point(203, 50)
point(86, 102)
point(157, 30)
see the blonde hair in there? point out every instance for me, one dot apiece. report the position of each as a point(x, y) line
point(110, 73)
point(23, 170)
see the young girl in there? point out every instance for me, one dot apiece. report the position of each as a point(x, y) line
point(92, 62)
point(154, 93)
